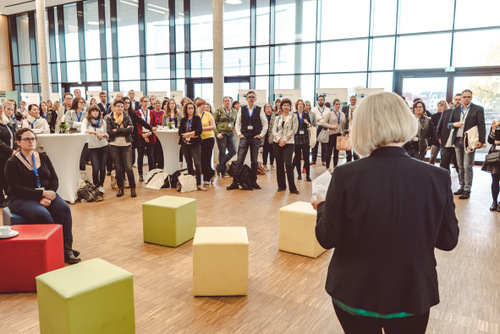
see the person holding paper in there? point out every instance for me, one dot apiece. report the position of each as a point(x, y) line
point(32, 186)
point(383, 271)
point(34, 121)
point(334, 121)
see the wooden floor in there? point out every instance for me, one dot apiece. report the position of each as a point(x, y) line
point(286, 291)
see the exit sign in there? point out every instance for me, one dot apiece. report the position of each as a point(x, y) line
point(449, 69)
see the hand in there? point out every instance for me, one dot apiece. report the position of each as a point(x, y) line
point(315, 200)
point(258, 136)
point(458, 124)
point(146, 140)
point(99, 136)
point(49, 194)
point(497, 142)
point(241, 136)
point(281, 143)
point(479, 145)
point(439, 140)
point(305, 121)
point(427, 148)
point(494, 126)
point(114, 130)
point(154, 129)
point(186, 135)
point(45, 202)
point(219, 136)
point(335, 127)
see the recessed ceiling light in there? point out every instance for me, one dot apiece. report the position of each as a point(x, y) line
point(233, 2)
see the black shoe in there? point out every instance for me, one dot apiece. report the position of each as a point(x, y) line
point(280, 190)
point(141, 179)
point(494, 206)
point(299, 177)
point(75, 252)
point(256, 186)
point(459, 191)
point(233, 186)
point(465, 195)
point(69, 256)
point(295, 192)
point(132, 192)
point(119, 193)
point(498, 208)
point(308, 179)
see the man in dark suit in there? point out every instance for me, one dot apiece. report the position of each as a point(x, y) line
point(462, 119)
point(443, 133)
point(135, 104)
point(347, 110)
point(103, 105)
point(251, 126)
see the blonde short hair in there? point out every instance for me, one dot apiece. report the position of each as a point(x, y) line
point(443, 103)
point(381, 119)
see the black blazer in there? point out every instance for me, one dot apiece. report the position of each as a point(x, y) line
point(442, 130)
point(474, 117)
point(384, 215)
point(195, 126)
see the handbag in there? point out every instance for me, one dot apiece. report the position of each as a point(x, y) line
point(344, 143)
point(312, 136)
point(323, 136)
point(187, 183)
point(492, 157)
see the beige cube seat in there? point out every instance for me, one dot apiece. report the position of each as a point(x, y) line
point(220, 261)
point(297, 223)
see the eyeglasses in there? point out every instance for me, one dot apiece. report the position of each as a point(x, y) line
point(466, 97)
point(29, 139)
point(251, 97)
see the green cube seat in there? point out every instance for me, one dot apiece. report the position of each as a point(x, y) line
point(94, 296)
point(169, 220)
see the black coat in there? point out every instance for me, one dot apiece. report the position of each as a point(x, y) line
point(195, 126)
point(385, 215)
point(5, 138)
point(475, 116)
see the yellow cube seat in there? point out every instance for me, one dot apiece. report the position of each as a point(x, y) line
point(297, 223)
point(220, 261)
point(169, 220)
point(89, 297)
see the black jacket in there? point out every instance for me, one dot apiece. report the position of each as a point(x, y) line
point(5, 138)
point(442, 130)
point(474, 117)
point(385, 215)
point(195, 126)
point(126, 130)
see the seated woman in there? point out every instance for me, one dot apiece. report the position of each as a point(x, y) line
point(32, 186)
point(34, 121)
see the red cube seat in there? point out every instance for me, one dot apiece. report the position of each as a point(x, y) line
point(37, 249)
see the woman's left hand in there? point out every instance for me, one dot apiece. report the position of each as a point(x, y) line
point(45, 202)
point(427, 148)
point(315, 200)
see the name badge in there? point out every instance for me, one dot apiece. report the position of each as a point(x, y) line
point(229, 125)
point(188, 139)
point(250, 127)
point(40, 188)
point(301, 132)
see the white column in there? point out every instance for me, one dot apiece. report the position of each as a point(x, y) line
point(42, 49)
point(218, 53)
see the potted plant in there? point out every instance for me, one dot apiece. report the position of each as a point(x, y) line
point(170, 125)
point(63, 127)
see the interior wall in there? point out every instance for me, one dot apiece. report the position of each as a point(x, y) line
point(5, 68)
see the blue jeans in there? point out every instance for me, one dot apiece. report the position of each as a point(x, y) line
point(248, 143)
point(58, 212)
point(99, 158)
point(226, 142)
point(465, 163)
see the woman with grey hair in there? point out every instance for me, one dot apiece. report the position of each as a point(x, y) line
point(383, 272)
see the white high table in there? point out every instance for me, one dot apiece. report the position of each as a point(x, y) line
point(169, 139)
point(64, 150)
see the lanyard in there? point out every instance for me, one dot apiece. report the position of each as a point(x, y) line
point(103, 106)
point(321, 111)
point(45, 114)
point(464, 114)
point(228, 114)
point(338, 116)
point(189, 123)
point(158, 116)
point(202, 116)
point(250, 113)
point(31, 124)
point(145, 115)
point(78, 117)
point(268, 117)
point(35, 170)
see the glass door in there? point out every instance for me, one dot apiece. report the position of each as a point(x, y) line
point(431, 90)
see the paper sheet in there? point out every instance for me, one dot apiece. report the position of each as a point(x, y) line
point(320, 184)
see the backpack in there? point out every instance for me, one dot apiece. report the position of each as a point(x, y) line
point(245, 177)
point(87, 192)
point(231, 166)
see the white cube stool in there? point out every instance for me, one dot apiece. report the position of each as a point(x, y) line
point(220, 261)
point(297, 223)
